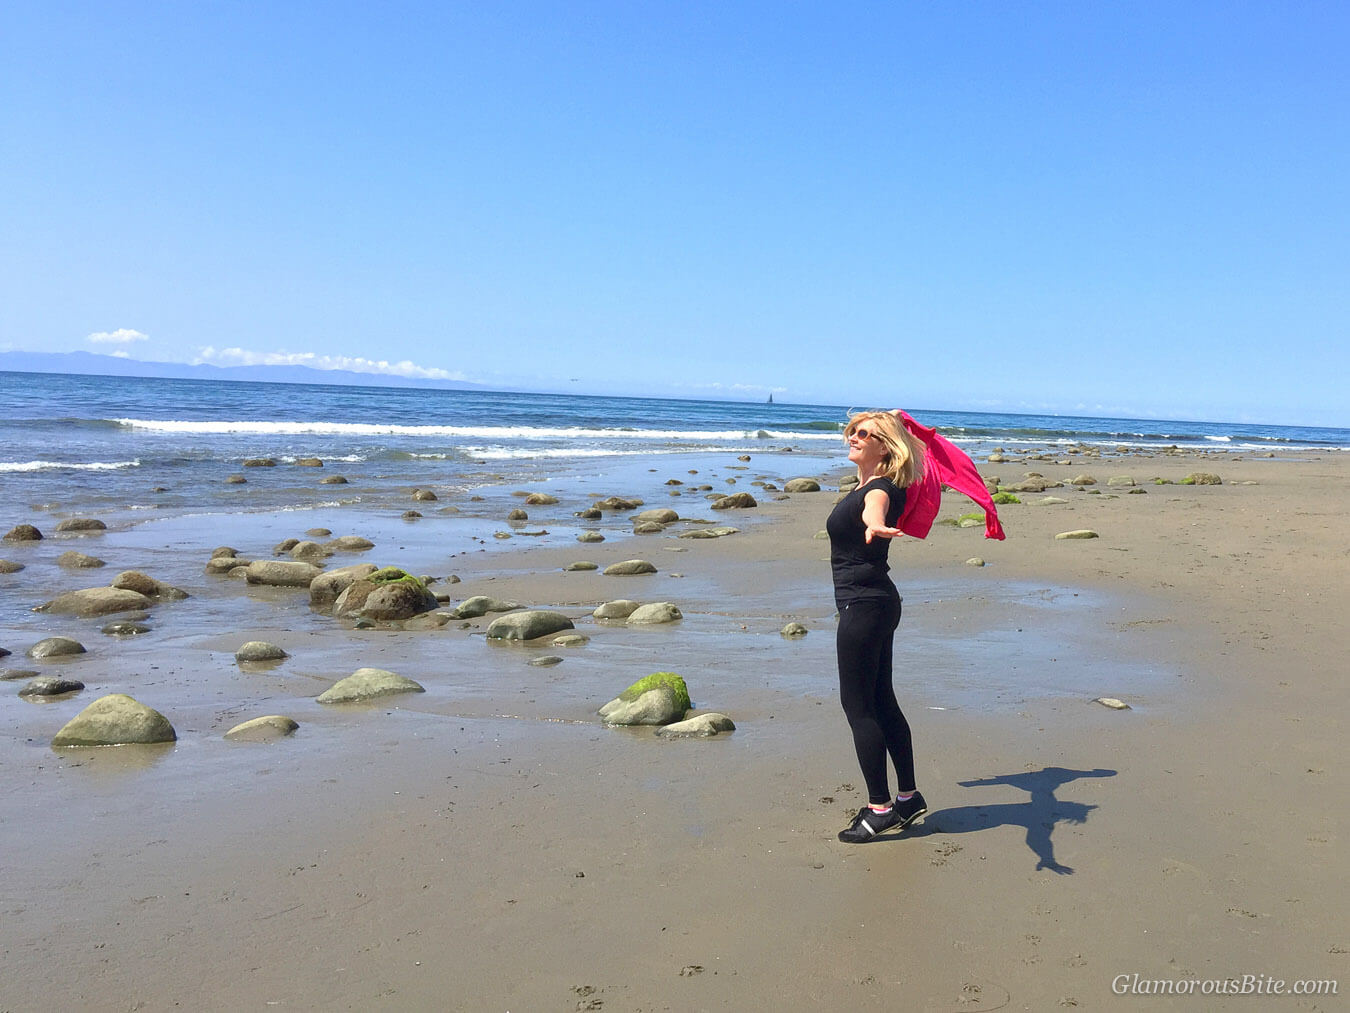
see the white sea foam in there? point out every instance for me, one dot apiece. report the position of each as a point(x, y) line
point(67, 465)
point(225, 427)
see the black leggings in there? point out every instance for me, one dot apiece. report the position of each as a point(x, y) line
point(864, 647)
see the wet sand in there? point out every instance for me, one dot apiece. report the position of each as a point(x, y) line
point(489, 845)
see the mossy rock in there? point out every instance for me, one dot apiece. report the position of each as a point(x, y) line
point(970, 520)
point(669, 680)
point(1001, 498)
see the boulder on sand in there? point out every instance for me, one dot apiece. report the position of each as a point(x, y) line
point(528, 625)
point(115, 720)
point(367, 684)
point(386, 595)
point(657, 699)
point(700, 725)
point(326, 587)
point(95, 601)
point(281, 573)
point(134, 580)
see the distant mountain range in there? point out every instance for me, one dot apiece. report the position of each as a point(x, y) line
point(113, 365)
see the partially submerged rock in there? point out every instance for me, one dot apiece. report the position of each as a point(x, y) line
point(327, 586)
point(717, 532)
point(23, 533)
point(95, 601)
point(281, 573)
point(620, 608)
point(56, 647)
point(700, 725)
point(258, 651)
point(629, 567)
point(82, 524)
point(481, 605)
point(736, 501)
point(134, 580)
point(73, 560)
point(657, 699)
point(386, 595)
point(655, 613)
point(793, 631)
point(51, 685)
point(115, 720)
point(268, 728)
point(528, 625)
point(367, 684)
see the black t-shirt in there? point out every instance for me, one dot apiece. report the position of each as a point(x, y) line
point(860, 570)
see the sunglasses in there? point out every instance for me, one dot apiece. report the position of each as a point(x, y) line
point(862, 434)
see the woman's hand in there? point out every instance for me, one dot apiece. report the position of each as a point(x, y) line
point(880, 532)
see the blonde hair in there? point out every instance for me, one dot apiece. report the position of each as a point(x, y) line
point(904, 460)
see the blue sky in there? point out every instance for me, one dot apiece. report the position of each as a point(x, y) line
point(1133, 209)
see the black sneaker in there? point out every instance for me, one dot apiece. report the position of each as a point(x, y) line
point(867, 824)
point(910, 810)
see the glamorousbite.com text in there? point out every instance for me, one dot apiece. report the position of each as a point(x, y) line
point(1246, 984)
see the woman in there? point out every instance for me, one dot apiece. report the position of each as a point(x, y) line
point(889, 460)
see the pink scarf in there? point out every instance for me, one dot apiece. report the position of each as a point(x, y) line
point(946, 464)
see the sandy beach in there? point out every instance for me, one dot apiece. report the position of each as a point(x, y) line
point(490, 845)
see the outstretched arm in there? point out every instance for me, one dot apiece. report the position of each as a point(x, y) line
point(875, 504)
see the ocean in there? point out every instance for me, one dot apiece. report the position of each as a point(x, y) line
point(118, 446)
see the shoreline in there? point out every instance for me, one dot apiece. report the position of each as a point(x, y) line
point(426, 852)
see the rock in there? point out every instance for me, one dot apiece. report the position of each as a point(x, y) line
point(582, 564)
point(700, 725)
point(1082, 480)
point(590, 536)
point(5, 652)
point(56, 647)
point(974, 561)
point(661, 515)
point(1029, 485)
point(721, 532)
point(648, 528)
point(326, 587)
point(124, 629)
point(310, 551)
point(1047, 501)
point(367, 684)
point(236, 480)
point(318, 533)
point(629, 567)
point(424, 496)
point(223, 552)
point(308, 462)
point(540, 499)
point(81, 524)
point(385, 595)
point(23, 533)
point(793, 631)
point(1120, 481)
point(1202, 478)
point(411, 515)
point(570, 640)
point(134, 580)
point(224, 564)
point(481, 605)
point(284, 546)
point(589, 514)
point(544, 661)
point(657, 699)
point(333, 480)
point(95, 601)
point(51, 685)
point(73, 560)
point(996, 458)
point(617, 503)
point(428, 621)
point(517, 515)
point(1138, 491)
point(351, 543)
point(1113, 703)
point(260, 462)
point(801, 485)
point(263, 729)
point(9, 566)
point(260, 650)
point(736, 501)
point(281, 573)
point(620, 608)
point(115, 720)
point(528, 625)
point(654, 613)
point(15, 674)
point(1079, 533)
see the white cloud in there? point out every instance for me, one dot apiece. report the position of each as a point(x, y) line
point(121, 353)
point(355, 364)
point(121, 336)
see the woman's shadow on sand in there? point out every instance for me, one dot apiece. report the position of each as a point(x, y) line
point(1038, 814)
